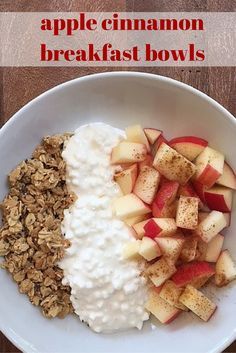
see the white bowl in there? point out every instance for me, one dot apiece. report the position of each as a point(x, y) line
point(119, 99)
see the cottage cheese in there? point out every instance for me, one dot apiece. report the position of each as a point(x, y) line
point(107, 292)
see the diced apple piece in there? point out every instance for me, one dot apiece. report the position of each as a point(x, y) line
point(164, 197)
point(225, 269)
point(135, 133)
point(149, 249)
point(131, 250)
point(160, 271)
point(188, 190)
point(171, 293)
point(189, 248)
point(146, 184)
point(219, 198)
point(189, 146)
point(160, 227)
point(134, 220)
point(210, 165)
point(126, 179)
point(130, 206)
point(195, 273)
point(139, 229)
point(158, 307)
point(148, 161)
point(158, 143)
point(214, 248)
point(170, 246)
point(173, 165)
point(152, 134)
point(228, 178)
point(187, 212)
point(212, 225)
point(197, 302)
point(128, 152)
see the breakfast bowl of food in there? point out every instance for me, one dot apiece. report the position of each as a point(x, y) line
point(118, 223)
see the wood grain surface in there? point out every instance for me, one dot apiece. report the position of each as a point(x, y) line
point(20, 85)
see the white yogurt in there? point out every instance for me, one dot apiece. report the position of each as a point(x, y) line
point(107, 292)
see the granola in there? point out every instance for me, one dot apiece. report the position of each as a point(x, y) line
point(30, 238)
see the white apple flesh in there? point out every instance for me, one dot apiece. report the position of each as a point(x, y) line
point(211, 225)
point(128, 152)
point(129, 206)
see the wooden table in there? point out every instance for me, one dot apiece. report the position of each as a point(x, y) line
point(19, 85)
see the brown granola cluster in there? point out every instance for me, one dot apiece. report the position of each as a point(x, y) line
point(30, 238)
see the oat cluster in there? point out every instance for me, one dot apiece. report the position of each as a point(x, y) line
point(30, 238)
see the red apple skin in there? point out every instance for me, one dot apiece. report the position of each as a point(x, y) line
point(188, 272)
point(200, 190)
point(216, 202)
point(190, 139)
point(164, 197)
point(152, 229)
point(209, 176)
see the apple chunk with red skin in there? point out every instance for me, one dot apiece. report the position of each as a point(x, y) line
point(128, 152)
point(195, 273)
point(209, 165)
point(160, 227)
point(198, 303)
point(219, 198)
point(189, 146)
point(228, 178)
point(225, 269)
point(129, 206)
point(187, 212)
point(211, 225)
point(163, 311)
point(146, 184)
point(164, 197)
point(135, 133)
point(173, 165)
point(200, 190)
point(152, 134)
point(126, 179)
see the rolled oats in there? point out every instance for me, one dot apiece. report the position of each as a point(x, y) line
point(30, 238)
